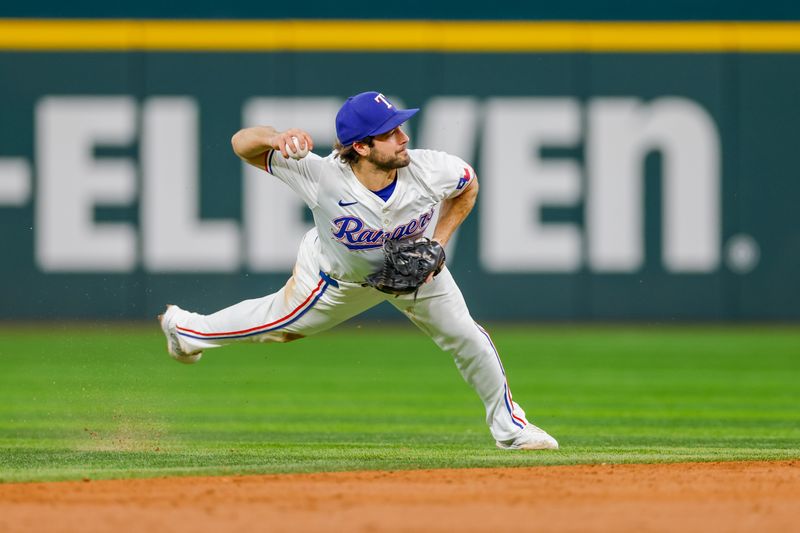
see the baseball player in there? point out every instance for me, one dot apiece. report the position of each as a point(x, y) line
point(372, 188)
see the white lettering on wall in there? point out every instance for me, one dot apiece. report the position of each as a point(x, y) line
point(15, 181)
point(72, 182)
point(516, 183)
point(622, 131)
point(175, 239)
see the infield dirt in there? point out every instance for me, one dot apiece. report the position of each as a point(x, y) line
point(730, 497)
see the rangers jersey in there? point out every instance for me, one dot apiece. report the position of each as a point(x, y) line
point(352, 221)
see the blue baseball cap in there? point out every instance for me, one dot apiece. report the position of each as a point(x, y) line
point(368, 114)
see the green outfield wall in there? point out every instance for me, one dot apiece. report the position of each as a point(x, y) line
point(647, 174)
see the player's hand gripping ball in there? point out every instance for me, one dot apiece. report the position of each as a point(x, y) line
point(296, 152)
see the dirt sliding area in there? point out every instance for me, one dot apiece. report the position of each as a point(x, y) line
point(730, 497)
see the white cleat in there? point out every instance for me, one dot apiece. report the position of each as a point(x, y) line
point(176, 351)
point(531, 438)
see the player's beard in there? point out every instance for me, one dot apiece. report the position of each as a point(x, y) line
point(389, 162)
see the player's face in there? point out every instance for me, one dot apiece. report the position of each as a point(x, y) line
point(388, 150)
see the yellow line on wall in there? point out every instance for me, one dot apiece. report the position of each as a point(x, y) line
point(400, 36)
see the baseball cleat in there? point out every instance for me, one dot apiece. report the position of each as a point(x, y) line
point(531, 438)
point(174, 347)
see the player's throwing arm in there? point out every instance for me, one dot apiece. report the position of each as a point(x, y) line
point(251, 144)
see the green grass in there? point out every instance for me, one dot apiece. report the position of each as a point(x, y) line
point(106, 402)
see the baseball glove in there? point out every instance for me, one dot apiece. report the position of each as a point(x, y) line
point(406, 265)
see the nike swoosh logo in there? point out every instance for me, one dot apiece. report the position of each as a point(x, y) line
point(345, 204)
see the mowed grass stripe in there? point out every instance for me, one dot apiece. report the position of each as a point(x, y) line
point(106, 401)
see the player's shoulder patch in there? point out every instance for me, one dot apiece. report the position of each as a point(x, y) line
point(467, 175)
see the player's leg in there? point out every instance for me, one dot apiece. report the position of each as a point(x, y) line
point(440, 311)
point(310, 302)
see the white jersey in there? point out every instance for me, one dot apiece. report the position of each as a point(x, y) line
point(352, 221)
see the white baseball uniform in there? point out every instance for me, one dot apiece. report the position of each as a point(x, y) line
point(326, 286)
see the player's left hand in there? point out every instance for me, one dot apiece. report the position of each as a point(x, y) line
point(407, 265)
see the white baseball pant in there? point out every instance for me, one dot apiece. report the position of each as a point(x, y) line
point(311, 302)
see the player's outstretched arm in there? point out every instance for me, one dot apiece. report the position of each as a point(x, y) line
point(250, 144)
point(453, 212)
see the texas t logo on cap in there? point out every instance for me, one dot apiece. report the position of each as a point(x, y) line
point(381, 98)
